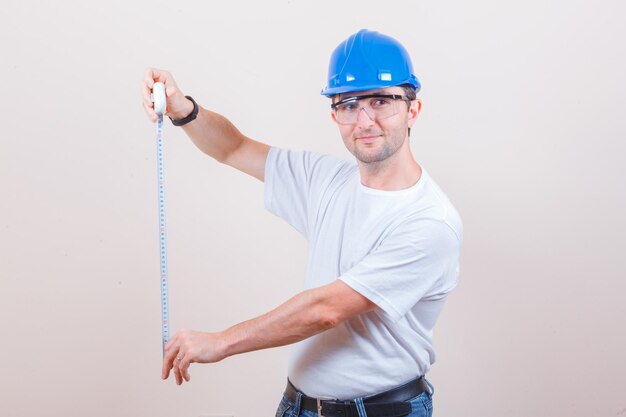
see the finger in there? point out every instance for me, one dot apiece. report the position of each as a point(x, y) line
point(150, 75)
point(170, 90)
point(170, 343)
point(162, 76)
point(177, 374)
point(147, 80)
point(165, 373)
point(146, 94)
point(177, 369)
point(183, 365)
point(148, 108)
point(150, 112)
point(165, 370)
point(168, 358)
point(147, 101)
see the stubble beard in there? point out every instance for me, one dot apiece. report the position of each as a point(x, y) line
point(369, 156)
point(390, 145)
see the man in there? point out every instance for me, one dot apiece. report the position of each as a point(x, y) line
point(384, 243)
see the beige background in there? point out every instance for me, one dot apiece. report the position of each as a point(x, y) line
point(523, 126)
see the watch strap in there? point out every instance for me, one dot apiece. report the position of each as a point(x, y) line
point(191, 117)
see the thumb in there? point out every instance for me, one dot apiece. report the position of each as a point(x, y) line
point(170, 91)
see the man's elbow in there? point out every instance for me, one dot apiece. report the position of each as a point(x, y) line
point(328, 318)
point(331, 316)
point(336, 303)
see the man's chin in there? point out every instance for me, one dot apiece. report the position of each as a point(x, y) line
point(369, 157)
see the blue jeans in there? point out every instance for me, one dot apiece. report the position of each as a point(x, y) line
point(421, 406)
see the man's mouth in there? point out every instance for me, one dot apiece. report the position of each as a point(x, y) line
point(367, 138)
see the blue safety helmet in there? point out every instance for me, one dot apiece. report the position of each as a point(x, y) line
point(368, 60)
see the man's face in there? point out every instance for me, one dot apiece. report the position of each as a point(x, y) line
point(370, 139)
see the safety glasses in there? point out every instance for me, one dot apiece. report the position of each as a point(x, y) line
point(376, 106)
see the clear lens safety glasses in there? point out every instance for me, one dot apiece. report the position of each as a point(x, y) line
point(376, 106)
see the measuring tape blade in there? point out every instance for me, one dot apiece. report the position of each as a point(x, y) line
point(165, 312)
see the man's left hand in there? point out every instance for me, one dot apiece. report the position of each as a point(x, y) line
point(187, 347)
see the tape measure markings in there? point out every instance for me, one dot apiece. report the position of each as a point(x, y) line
point(165, 312)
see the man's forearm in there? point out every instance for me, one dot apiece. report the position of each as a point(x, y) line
point(213, 134)
point(306, 314)
point(302, 316)
point(217, 137)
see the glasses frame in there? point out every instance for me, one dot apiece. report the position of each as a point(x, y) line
point(334, 106)
point(357, 98)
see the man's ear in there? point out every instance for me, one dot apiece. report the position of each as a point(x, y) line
point(332, 116)
point(414, 111)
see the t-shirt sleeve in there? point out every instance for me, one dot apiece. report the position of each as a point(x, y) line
point(293, 180)
point(414, 263)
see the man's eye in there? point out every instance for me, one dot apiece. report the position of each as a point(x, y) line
point(379, 102)
point(348, 106)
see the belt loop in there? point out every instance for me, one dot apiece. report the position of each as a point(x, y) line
point(432, 389)
point(360, 408)
point(296, 410)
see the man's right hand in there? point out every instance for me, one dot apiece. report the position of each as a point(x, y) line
point(178, 106)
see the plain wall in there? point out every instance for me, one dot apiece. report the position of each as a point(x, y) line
point(522, 125)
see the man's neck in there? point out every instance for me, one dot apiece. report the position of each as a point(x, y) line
point(398, 172)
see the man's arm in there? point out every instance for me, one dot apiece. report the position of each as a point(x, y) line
point(217, 137)
point(212, 133)
point(308, 313)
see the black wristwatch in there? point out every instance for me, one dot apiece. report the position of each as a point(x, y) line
point(190, 117)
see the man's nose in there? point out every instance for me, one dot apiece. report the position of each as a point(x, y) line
point(364, 118)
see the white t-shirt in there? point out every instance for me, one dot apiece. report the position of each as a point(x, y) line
point(399, 249)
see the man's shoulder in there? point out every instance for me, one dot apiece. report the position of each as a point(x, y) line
point(431, 208)
point(313, 163)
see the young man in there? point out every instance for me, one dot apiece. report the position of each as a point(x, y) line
point(384, 243)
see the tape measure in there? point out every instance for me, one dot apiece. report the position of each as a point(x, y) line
point(158, 94)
